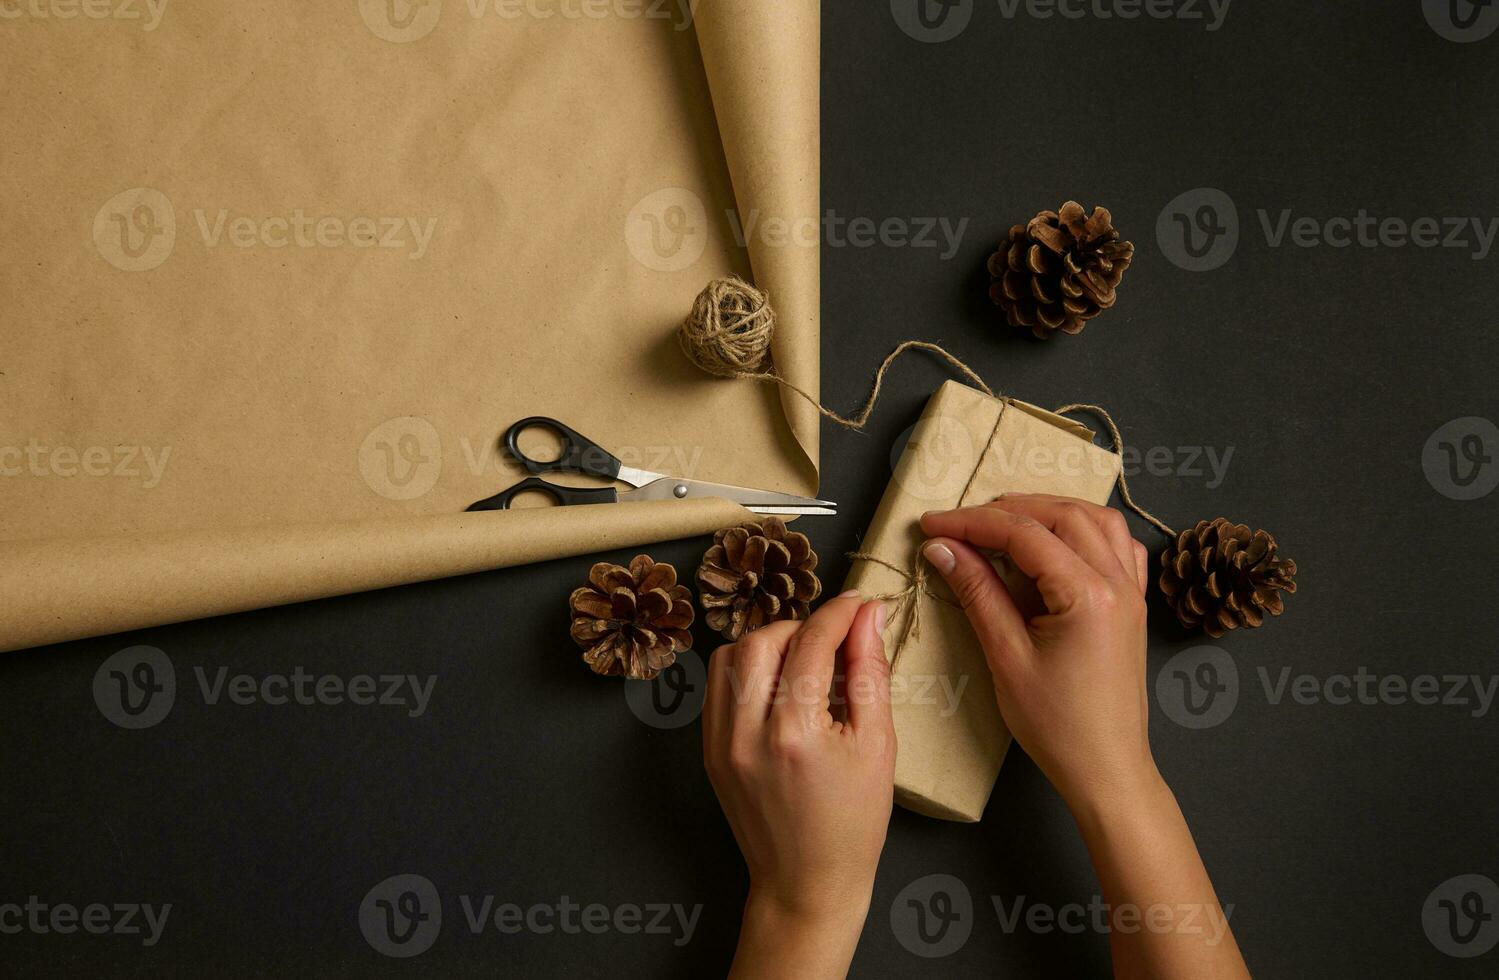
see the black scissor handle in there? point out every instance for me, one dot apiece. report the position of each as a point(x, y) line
point(579, 453)
point(564, 496)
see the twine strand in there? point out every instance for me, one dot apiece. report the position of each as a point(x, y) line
point(1124, 494)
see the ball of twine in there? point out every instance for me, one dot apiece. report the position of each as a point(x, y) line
point(729, 329)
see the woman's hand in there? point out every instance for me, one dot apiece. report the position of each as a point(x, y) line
point(1070, 679)
point(806, 785)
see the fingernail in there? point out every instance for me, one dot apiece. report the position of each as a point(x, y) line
point(940, 555)
point(849, 594)
point(880, 616)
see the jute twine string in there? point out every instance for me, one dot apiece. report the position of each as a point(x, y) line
point(728, 334)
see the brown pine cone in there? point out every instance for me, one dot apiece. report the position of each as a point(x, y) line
point(632, 621)
point(1220, 576)
point(755, 574)
point(1059, 271)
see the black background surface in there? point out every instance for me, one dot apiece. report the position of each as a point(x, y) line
point(1325, 370)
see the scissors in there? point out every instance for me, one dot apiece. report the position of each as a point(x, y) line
point(582, 455)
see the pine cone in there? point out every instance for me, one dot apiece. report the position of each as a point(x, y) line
point(1059, 271)
point(756, 574)
point(632, 621)
point(1220, 576)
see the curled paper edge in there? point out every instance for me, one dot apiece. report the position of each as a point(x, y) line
point(63, 589)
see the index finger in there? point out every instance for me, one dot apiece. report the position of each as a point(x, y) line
point(807, 676)
point(1036, 551)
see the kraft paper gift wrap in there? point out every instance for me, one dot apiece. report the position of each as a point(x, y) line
point(967, 449)
point(282, 265)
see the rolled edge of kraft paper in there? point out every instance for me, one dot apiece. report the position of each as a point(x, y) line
point(60, 589)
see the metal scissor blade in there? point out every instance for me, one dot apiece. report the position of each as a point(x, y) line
point(768, 502)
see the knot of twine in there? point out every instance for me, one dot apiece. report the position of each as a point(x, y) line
point(916, 587)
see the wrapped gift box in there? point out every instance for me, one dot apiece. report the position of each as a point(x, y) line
point(967, 449)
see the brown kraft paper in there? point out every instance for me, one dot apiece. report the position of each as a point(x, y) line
point(502, 213)
point(286, 263)
point(967, 449)
point(70, 588)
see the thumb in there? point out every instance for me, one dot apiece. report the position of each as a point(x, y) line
point(990, 607)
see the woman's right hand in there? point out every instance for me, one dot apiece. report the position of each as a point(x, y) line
point(1070, 681)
